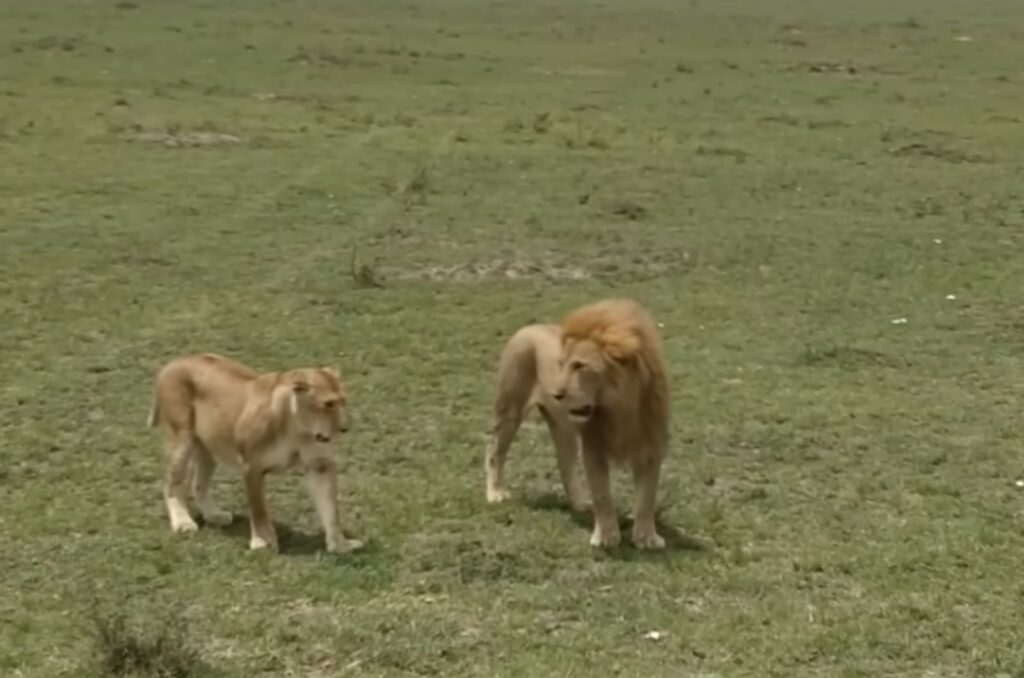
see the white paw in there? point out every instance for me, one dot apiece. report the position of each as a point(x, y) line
point(345, 546)
point(496, 495)
point(648, 539)
point(183, 525)
point(605, 539)
point(259, 543)
point(219, 518)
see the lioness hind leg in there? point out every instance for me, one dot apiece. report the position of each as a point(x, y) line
point(205, 466)
point(179, 453)
point(501, 438)
point(567, 447)
point(645, 483)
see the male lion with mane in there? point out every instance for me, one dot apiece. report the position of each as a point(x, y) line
point(598, 378)
point(212, 409)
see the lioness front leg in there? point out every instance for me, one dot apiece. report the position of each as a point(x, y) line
point(261, 528)
point(645, 487)
point(606, 522)
point(322, 481)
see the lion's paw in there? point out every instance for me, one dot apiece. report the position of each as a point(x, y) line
point(581, 505)
point(260, 544)
point(648, 539)
point(345, 546)
point(605, 539)
point(185, 526)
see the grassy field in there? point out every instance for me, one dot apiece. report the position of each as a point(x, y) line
point(820, 201)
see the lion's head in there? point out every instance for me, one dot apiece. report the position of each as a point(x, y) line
point(611, 369)
point(318, 404)
point(582, 372)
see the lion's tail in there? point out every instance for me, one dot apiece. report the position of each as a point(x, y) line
point(154, 414)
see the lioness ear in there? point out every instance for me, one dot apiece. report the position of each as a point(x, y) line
point(333, 371)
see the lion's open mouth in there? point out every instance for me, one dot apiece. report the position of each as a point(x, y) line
point(582, 412)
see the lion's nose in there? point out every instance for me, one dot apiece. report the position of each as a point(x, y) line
point(323, 438)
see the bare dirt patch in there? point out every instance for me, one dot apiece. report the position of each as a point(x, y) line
point(184, 139)
point(496, 269)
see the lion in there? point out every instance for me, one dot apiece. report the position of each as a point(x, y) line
point(600, 383)
point(213, 409)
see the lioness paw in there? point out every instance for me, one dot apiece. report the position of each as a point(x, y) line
point(497, 495)
point(219, 518)
point(605, 539)
point(648, 539)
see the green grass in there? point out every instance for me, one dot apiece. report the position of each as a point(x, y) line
point(394, 187)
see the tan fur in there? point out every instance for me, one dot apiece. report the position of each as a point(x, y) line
point(215, 410)
point(598, 378)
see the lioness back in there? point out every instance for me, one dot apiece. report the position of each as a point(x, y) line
point(203, 394)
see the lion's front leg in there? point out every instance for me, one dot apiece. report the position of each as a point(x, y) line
point(645, 484)
point(322, 482)
point(566, 441)
point(262, 529)
point(606, 522)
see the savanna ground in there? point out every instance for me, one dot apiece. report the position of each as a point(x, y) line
point(820, 201)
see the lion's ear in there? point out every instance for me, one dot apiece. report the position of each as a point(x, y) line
point(620, 345)
point(333, 371)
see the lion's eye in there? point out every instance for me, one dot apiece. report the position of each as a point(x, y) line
point(330, 403)
point(576, 365)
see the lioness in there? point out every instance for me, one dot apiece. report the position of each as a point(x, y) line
point(599, 378)
point(212, 409)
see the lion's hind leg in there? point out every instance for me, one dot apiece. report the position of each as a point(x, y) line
point(505, 428)
point(517, 379)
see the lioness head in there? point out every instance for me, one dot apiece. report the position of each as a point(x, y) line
point(318, 405)
point(581, 373)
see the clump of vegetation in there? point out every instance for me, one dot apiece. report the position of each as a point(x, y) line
point(364, 275)
point(630, 209)
point(159, 649)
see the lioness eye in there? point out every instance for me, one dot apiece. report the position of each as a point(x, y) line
point(576, 365)
point(331, 403)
